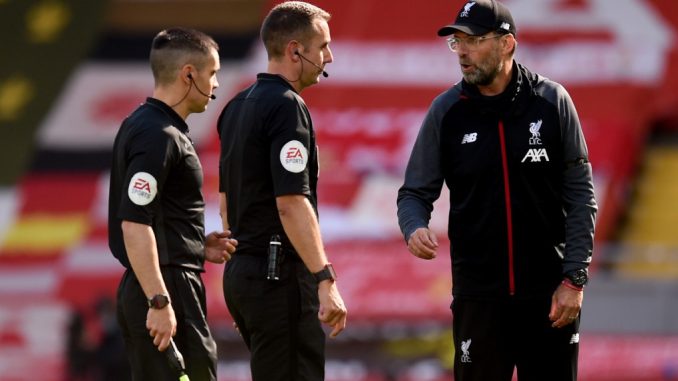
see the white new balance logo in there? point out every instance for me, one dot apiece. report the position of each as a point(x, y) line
point(469, 138)
point(536, 154)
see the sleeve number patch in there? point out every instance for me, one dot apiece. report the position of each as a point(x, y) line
point(142, 188)
point(294, 156)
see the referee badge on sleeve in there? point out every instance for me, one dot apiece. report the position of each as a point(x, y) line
point(142, 188)
point(294, 156)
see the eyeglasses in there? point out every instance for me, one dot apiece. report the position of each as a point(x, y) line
point(469, 43)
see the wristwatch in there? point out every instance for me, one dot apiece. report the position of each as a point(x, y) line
point(158, 301)
point(578, 278)
point(326, 273)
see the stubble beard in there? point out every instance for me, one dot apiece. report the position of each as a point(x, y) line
point(485, 72)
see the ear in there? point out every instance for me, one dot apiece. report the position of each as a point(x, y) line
point(293, 47)
point(509, 43)
point(186, 71)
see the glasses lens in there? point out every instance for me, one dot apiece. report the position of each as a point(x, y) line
point(452, 43)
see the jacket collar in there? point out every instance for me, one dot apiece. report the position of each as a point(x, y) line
point(512, 101)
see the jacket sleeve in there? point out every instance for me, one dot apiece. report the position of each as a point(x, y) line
point(577, 185)
point(423, 176)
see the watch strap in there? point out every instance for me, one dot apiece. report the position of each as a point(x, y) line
point(158, 301)
point(326, 273)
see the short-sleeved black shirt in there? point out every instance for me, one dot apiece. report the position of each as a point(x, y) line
point(156, 179)
point(268, 149)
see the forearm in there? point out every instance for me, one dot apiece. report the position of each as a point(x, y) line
point(143, 256)
point(581, 212)
point(413, 213)
point(302, 228)
point(223, 211)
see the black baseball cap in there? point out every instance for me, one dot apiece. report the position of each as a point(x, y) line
point(480, 17)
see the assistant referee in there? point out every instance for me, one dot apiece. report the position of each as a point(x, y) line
point(156, 214)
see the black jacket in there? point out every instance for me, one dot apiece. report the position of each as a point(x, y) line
point(522, 207)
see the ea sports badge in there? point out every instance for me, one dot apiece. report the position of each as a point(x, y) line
point(294, 156)
point(142, 188)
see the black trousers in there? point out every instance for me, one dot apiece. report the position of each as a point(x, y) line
point(193, 338)
point(277, 319)
point(491, 338)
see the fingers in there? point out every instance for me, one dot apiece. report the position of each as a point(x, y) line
point(161, 339)
point(338, 327)
point(564, 319)
point(332, 310)
point(231, 245)
point(335, 319)
point(161, 325)
point(220, 250)
point(162, 342)
point(223, 234)
point(554, 313)
point(423, 244)
point(565, 306)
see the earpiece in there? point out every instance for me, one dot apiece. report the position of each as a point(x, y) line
point(190, 76)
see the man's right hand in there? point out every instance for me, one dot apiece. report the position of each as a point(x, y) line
point(423, 243)
point(162, 325)
point(332, 310)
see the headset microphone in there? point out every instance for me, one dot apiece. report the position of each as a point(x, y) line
point(325, 74)
point(211, 96)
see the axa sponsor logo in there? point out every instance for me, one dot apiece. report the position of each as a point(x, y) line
point(294, 156)
point(466, 351)
point(536, 155)
point(469, 138)
point(467, 9)
point(142, 188)
point(534, 130)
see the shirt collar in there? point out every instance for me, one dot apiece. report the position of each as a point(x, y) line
point(275, 77)
point(176, 120)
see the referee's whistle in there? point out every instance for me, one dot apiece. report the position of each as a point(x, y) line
point(274, 246)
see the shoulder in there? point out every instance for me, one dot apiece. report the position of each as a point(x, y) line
point(445, 100)
point(273, 95)
point(146, 125)
point(550, 90)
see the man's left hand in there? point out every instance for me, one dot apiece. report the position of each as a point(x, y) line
point(219, 246)
point(565, 306)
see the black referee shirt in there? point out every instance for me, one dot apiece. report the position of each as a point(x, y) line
point(268, 149)
point(156, 179)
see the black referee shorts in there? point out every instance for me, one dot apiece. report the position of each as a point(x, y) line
point(277, 319)
point(491, 338)
point(193, 338)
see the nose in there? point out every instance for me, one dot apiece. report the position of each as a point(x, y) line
point(462, 49)
point(330, 57)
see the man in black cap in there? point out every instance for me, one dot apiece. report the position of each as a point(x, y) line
point(509, 146)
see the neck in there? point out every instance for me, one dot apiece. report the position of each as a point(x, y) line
point(500, 82)
point(291, 73)
point(171, 96)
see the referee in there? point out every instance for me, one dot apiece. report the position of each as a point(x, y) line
point(156, 214)
point(268, 177)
